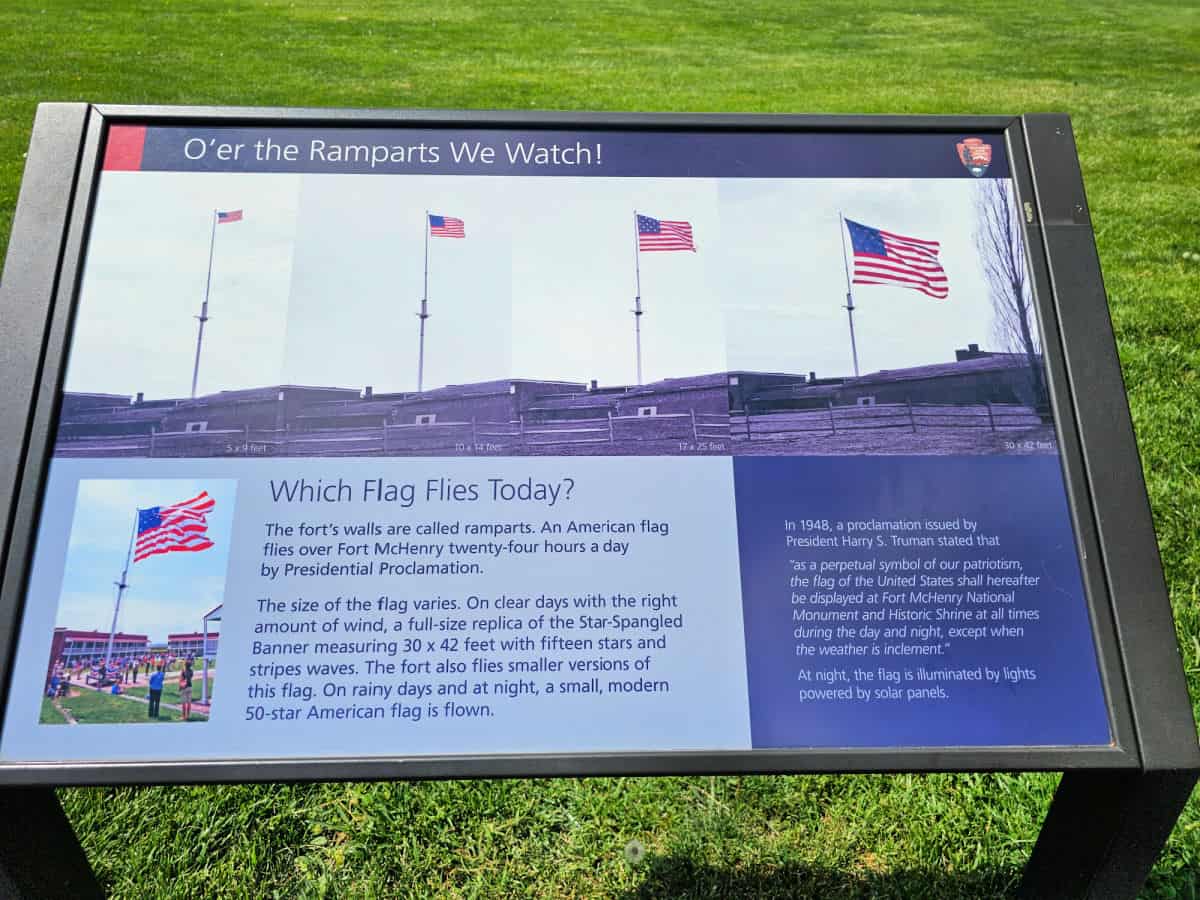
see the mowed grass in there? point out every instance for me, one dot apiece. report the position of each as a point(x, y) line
point(50, 714)
point(95, 708)
point(1128, 72)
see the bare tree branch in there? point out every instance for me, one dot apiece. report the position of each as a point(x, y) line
point(1001, 246)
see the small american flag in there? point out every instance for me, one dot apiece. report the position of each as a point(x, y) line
point(232, 215)
point(659, 234)
point(167, 529)
point(883, 257)
point(446, 226)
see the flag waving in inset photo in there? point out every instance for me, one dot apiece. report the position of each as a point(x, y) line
point(884, 257)
point(232, 215)
point(661, 234)
point(181, 527)
point(435, 226)
point(446, 226)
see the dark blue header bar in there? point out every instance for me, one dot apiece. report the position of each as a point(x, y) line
point(598, 153)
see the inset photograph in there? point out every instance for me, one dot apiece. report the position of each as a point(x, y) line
point(415, 316)
point(137, 630)
point(881, 317)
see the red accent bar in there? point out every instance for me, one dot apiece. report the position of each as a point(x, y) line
point(123, 152)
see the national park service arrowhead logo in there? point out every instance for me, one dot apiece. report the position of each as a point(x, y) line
point(975, 155)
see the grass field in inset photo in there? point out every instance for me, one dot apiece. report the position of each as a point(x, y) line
point(88, 707)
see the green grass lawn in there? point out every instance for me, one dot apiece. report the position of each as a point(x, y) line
point(95, 708)
point(50, 714)
point(1128, 72)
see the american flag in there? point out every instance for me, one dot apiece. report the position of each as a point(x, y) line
point(446, 226)
point(659, 234)
point(883, 257)
point(233, 215)
point(167, 529)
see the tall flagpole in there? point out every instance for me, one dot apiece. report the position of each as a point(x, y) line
point(203, 317)
point(637, 297)
point(424, 313)
point(849, 294)
point(121, 585)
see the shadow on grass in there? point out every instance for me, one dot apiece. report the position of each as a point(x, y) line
point(682, 878)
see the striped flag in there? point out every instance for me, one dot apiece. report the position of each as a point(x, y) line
point(883, 257)
point(659, 234)
point(446, 226)
point(232, 215)
point(167, 529)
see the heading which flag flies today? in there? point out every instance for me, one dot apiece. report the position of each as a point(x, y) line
point(219, 217)
point(180, 527)
point(887, 258)
point(652, 234)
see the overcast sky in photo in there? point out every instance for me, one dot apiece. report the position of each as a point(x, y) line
point(541, 287)
point(783, 279)
point(321, 282)
point(359, 277)
point(574, 281)
point(144, 281)
point(167, 593)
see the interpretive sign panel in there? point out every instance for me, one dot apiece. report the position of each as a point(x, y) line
point(616, 441)
point(700, 442)
point(344, 444)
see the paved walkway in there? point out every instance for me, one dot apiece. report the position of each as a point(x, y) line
point(197, 707)
point(66, 714)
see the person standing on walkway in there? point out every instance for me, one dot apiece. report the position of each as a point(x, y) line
point(155, 694)
point(185, 689)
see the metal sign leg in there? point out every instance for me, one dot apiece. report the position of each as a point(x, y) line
point(40, 857)
point(1103, 833)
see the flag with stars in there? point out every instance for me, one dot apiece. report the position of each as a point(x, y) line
point(661, 234)
point(884, 257)
point(446, 226)
point(227, 216)
point(181, 527)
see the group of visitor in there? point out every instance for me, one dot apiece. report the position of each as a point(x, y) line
point(60, 681)
point(120, 670)
point(126, 671)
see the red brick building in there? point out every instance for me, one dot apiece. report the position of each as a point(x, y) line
point(192, 644)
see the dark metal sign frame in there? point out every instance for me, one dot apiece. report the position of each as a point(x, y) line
point(1129, 792)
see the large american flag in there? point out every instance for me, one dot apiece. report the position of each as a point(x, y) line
point(446, 226)
point(180, 527)
point(659, 234)
point(884, 257)
point(232, 215)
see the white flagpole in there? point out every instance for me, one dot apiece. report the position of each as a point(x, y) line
point(203, 317)
point(121, 585)
point(637, 297)
point(424, 313)
point(849, 294)
point(204, 662)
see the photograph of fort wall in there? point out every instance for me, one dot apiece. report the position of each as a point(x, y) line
point(976, 402)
